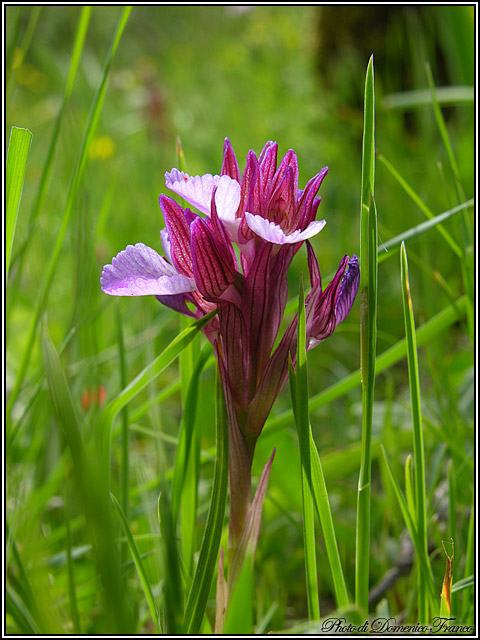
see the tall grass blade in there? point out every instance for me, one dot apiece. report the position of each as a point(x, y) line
point(387, 359)
point(147, 589)
point(420, 204)
point(368, 338)
point(423, 558)
point(318, 490)
point(47, 168)
point(105, 419)
point(418, 449)
point(73, 188)
point(302, 421)
point(423, 97)
point(207, 560)
point(92, 492)
point(186, 436)
point(239, 614)
point(17, 156)
point(20, 613)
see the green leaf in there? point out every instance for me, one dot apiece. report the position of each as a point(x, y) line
point(17, 156)
point(239, 615)
point(207, 560)
point(147, 589)
point(172, 583)
point(407, 100)
point(300, 404)
point(92, 492)
point(105, 419)
point(388, 358)
point(74, 185)
point(418, 449)
point(368, 338)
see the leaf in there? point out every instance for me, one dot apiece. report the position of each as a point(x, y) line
point(147, 589)
point(207, 560)
point(17, 156)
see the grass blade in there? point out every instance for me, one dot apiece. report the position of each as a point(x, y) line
point(207, 560)
point(300, 403)
point(423, 97)
point(92, 493)
point(420, 204)
point(409, 522)
point(368, 339)
point(318, 490)
point(186, 435)
point(74, 185)
point(47, 168)
point(105, 419)
point(418, 450)
point(387, 359)
point(147, 589)
point(17, 156)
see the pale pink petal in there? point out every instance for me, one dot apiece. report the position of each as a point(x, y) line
point(271, 232)
point(140, 271)
point(197, 191)
point(227, 199)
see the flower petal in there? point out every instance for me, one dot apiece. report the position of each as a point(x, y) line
point(140, 271)
point(230, 164)
point(212, 264)
point(347, 291)
point(196, 190)
point(227, 199)
point(271, 232)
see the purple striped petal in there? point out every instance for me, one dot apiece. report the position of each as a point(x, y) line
point(230, 164)
point(140, 271)
point(212, 264)
point(271, 232)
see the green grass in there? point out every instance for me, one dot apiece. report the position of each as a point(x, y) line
point(119, 396)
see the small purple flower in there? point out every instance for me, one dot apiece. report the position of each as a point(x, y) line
point(267, 217)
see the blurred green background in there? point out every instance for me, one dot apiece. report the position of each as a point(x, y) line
point(290, 74)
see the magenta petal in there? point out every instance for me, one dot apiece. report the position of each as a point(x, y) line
point(212, 263)
point(271, 232)
point(197, 190)
point(178, 228)
point(230, 164)
point(140, 271)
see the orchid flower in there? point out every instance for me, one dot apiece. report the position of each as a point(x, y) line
point(267, 218)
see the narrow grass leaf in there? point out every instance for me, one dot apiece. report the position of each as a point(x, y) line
point(446, 96)
point(147, 589)
point(409, 488)
point(207, 560)
point(469, 569)
point(92, 493)
point(105, 419)
point(300, 404)
point(74, 185)
point(19, 612)
point(186, 434)
point(17, 156)
point(368, 338)
point(431, 328)
point(316, 483)
point(421, 228)
point(81, 33)
point(172, 582)
point(239, 615)
point(409, 522)
point(72, 591)
point(418, 449)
